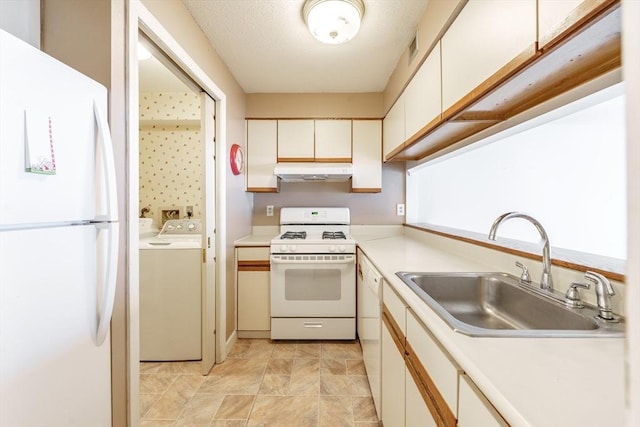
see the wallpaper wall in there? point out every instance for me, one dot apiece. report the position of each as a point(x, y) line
point(171, 167)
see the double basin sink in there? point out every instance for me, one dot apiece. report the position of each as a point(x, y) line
point(498, 305)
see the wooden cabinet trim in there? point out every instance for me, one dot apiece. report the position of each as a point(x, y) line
point(254, 265)
point(579, 17)
point(366, 190)
point(517, 86)
point(437, 405)
point(296, 159)
point(262, 189)
point(394, 329)
point(333, 159)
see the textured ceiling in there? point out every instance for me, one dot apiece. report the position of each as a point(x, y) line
point(268, 48)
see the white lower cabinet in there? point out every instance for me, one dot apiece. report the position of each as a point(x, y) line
point(254, 294)
point(422, 385)
point(417, 411)
point(475, 409)
point(393, 367)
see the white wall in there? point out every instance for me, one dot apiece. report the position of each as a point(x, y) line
point(568, 173)
point(22, 19)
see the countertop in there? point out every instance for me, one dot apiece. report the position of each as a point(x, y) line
point(539, 382)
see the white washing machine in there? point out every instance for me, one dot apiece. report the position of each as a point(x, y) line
point(171, 292)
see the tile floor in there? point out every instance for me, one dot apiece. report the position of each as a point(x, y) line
point(262, 383)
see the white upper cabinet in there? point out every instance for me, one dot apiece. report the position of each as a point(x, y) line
point(486, 35)
point(367, 153)
point(296, 140)
point(262, 149)
point(423, 95)
point(393, 128)
point(333, 140)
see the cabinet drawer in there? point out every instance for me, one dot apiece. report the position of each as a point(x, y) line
point(395, 306)
point(253, 253)
point(475, 409)
point(442, 371)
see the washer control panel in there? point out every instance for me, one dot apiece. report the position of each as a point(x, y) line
point(182, 226)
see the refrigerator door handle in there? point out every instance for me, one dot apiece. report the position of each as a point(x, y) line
point(106, 151)
point(110, 268)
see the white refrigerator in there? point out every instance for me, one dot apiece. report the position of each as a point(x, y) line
point(58, 243)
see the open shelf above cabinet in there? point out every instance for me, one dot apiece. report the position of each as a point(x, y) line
point(585, 46)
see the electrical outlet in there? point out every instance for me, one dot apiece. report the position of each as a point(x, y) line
point(400, 209)
point(269, 210)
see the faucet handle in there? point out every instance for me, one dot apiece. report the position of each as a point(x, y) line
point(596, 278)
point(572, 297)
point(525, 277)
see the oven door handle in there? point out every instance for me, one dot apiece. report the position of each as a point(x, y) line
point(277, 260)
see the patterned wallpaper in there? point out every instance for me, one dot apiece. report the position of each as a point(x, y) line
point(171, 167)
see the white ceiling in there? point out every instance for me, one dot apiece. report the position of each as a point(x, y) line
point(268, 48)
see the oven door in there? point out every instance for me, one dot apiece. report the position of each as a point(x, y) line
point(313, 285)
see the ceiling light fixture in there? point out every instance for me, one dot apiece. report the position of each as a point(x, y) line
point(143, 52)
point(333, 21)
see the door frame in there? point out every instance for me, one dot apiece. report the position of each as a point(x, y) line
point(138, 18)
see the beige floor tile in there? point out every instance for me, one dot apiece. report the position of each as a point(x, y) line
point(341, 350)
point(275, 384)
point(156, 423)
point(303, 367)
point(335, 385)
point(368, 424)
point(356, 367)
point(150, 367)
point(333, 367)
point(229, 423)
point(231, 384)
point(234, 407)
point(169, 407)
point(284, 411)
point(304, 385)
point(363, 409)
point(187, 385)
point(200, 410)
point(359, 386)
point(240, 367)
point(308, 350)
point(284, 350)
point(156, 383)
point(280, 366)
point(147, 401)
point(335, 411)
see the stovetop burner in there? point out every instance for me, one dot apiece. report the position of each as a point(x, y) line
point(294, 235)
point(333, 235)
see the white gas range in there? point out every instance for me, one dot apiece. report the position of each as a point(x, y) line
point(313, 292)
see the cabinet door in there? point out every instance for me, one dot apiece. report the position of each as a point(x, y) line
point(555, 16)
point(393, 378)
point(423, 95)
point(295, 140)
point(442, 370)
point(486, 35)
point(254, 310)
point(254, 296)
point(417, 411)
point(367, 162)
point(333, 140)
point(393, 128)
point(475, 409)
point(262, 146)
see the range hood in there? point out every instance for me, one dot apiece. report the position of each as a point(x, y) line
point(313, 172)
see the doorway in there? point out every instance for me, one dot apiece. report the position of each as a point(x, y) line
point(176, 191)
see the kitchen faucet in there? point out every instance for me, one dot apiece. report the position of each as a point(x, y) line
point(546, 281)
point(604, 292)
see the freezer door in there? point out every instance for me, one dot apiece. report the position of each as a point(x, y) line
point(50, 152)
point(52, 373)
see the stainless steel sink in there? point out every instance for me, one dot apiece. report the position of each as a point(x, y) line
point(495, 304)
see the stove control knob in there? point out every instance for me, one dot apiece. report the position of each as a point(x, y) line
point(292, 248)
point(342, 248)
point(284, 248)
point(191, 227)
point(332, 248)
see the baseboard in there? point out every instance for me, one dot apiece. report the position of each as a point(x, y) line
point(228, 346)
point(254, 334)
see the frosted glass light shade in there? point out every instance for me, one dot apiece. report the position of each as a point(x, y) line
point(333, 21)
